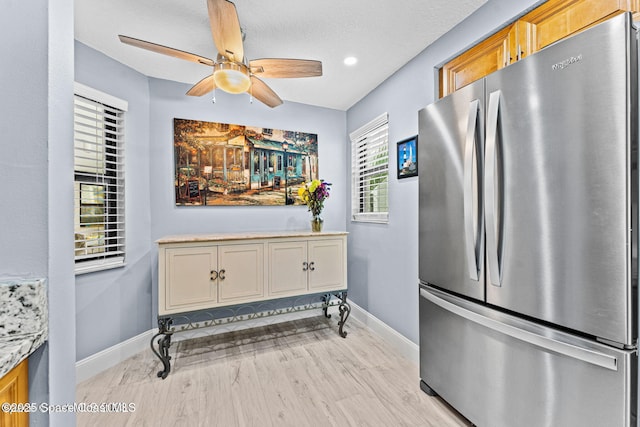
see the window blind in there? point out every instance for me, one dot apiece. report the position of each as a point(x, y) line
point(370, 171)
point(99, 214)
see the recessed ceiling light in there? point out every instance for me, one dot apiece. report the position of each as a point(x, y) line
point(350, 60)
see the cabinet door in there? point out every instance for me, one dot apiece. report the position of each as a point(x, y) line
point(327, 269)
point(189, 284)
point(240, 272)
point(287, 268)
point(490, 55)
point(14, 388)
point(558, 19)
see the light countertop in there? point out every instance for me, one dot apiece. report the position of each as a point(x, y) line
point(23, 320)
point(213, 237)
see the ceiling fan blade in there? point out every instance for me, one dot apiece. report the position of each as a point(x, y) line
point(203, 87)
point(285, 68)
point(264, 93)
point(158, 48)
point(225, 28)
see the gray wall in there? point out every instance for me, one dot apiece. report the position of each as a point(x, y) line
point(168, 101)
point(36, 209)
point(24, 235)
point(115, 305)
point(383, 259)
point(36, 160)
point(23, 151)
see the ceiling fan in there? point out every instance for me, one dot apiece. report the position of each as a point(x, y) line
point(232, 72)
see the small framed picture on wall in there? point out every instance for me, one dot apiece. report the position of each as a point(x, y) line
point(408, 157)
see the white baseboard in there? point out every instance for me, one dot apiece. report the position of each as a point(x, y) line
point(407, 348)
point(107, 358)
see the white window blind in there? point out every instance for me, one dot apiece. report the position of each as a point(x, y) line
point(99, 216)
point(370, 171)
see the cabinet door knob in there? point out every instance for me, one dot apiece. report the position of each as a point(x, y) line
point(221, 274)
point(305, 266)
point(311, 266)
point(214, 275)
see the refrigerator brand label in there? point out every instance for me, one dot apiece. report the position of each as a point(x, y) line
point(564, 64)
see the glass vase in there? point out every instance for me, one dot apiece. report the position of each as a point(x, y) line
point(316, 223)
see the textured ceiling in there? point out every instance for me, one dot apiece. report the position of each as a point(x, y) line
point(383, 34)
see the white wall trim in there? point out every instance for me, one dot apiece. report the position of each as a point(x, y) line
point(109, 357)
point(407, 348)
point(99, 96)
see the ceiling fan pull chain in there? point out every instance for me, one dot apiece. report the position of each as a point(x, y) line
point(213, 100)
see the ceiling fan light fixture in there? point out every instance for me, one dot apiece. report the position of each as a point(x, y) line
point(231, 77)
point(232, 72)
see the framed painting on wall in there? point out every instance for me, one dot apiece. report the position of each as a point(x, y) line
point(225, 164)
point(407, 151)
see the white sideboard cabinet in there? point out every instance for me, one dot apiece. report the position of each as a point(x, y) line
point(204, 272)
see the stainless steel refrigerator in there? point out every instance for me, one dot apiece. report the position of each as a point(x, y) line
point(528, 237)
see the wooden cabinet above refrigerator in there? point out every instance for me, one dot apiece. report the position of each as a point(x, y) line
point(546, 24)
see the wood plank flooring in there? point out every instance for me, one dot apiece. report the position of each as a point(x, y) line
point(288, 374)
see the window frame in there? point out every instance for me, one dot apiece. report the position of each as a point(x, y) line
point(359, 174)
point(112, 179)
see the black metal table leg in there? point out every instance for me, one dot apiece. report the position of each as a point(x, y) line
point(326, 300)
point(345, 309)
point(164, 326)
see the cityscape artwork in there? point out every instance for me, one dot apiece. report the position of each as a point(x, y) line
point(225, 164)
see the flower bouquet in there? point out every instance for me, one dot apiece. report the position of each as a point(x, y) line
point(314, 194)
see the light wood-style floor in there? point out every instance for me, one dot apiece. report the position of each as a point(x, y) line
point(289, 374)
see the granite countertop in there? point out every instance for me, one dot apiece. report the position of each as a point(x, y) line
point(23, 320)
point(246, 236)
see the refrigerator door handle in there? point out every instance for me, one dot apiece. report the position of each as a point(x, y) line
point(473, 241)
point(586, 355)
point(490, 189)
